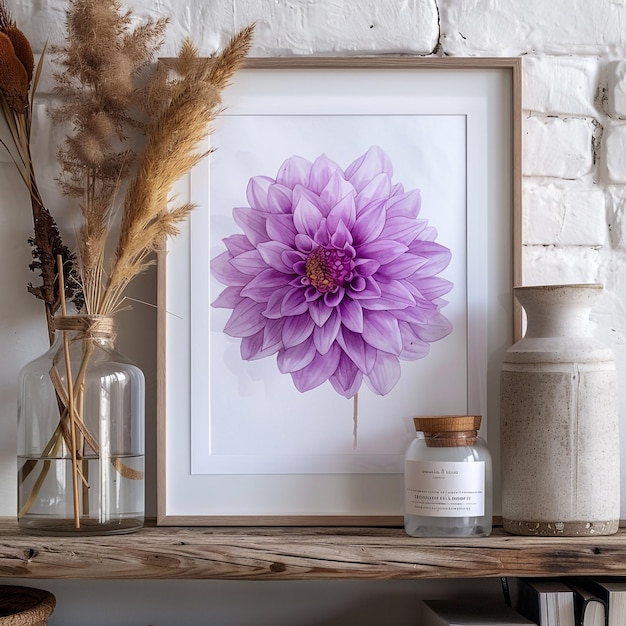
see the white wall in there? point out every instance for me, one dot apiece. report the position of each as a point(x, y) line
point(574, 231)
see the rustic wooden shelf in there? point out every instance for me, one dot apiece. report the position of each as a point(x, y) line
point(302, 554)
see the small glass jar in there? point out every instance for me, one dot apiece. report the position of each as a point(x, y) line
point(81, 435)
point(448, 479)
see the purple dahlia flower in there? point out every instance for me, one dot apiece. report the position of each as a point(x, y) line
point(334, 273)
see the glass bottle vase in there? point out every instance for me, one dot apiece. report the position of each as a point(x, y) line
point(81, 435)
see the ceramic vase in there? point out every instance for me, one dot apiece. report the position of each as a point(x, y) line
point(559, 420)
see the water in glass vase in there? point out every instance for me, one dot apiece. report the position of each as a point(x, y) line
point(110, 498)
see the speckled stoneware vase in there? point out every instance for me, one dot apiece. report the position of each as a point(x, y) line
point(559, 422)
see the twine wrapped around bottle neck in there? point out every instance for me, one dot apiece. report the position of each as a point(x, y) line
point(95, 326)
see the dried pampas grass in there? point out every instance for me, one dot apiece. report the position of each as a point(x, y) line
point(103, 61)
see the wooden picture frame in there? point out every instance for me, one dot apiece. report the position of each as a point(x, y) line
point(276, 109)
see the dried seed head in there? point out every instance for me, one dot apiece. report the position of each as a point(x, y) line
point(117, 85)
point(102, 126)
point(22, 48)
point(89, 148)
point(13, 77)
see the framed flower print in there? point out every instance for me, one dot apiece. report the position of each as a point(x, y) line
point(349, 265)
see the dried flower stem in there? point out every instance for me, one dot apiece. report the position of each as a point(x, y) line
point(18, 82)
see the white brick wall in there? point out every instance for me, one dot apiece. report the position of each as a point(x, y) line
point(574, 98)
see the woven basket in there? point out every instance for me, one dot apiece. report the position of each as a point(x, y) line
point(25, 606)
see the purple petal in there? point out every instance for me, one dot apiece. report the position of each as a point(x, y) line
point(318, 371)
point(294, 303)
point(403, 267)
point(385, 373)
point(252, 223)
point(253, 348)
point(402, 229)
point(294, 171)
point(347, 378)
point(306, 213)
point(250, 263)
point(366, 267)
point(304, 243)
point(437, 328)
point(377, 189)
point(256, 192)
point(236, 244)
point(406, 205)
point(296, 329)
point(341, 236)
point(370, 223)
point(228, 299)
point(364, 288)
point(293, 359)
point(281, 228)
point(324, 336)
point(394, 295)
point(413, 348)
point(263, 285)
point(361, 353)
point(273, 308)
point(318, 311)
point(366, 167)
point(438, 256)
point(279, 199)
point(433, 286)
point(343, 212)
point(382, 250)
point(272, 334)
point(380, 330)
point(246, 319)
point(223, 269)
point(272, 253)
point(414, 314)
point(322, 171)
point(331, 299)
point(351, 315)
point(339, 195)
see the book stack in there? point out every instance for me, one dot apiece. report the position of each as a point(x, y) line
point(545, 602)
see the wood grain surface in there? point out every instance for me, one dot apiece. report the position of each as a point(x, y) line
point(291, 553)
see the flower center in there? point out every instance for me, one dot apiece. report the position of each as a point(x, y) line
point(327, 270)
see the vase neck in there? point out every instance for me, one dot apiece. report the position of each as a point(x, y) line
point(558, 311)
point(96, 327)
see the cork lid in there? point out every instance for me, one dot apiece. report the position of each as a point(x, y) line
point(448, 430)
point(446, 423)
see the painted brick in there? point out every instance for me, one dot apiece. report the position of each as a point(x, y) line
point(283, 28)
point(550, 265)
point(556, 147)
point(564, 216)
point(351, 27)
point(560, 85)
point(614, 153)
point(617, 89)
point(617, 219)
point(507, 28)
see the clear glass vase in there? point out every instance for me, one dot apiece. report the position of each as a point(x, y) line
point(81, 435)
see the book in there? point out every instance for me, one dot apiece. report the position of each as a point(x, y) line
point(546, 602)
point(590, 609)
point(613, 594)
point(469, 612)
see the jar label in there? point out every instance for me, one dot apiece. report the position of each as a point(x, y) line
point(445, 488)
